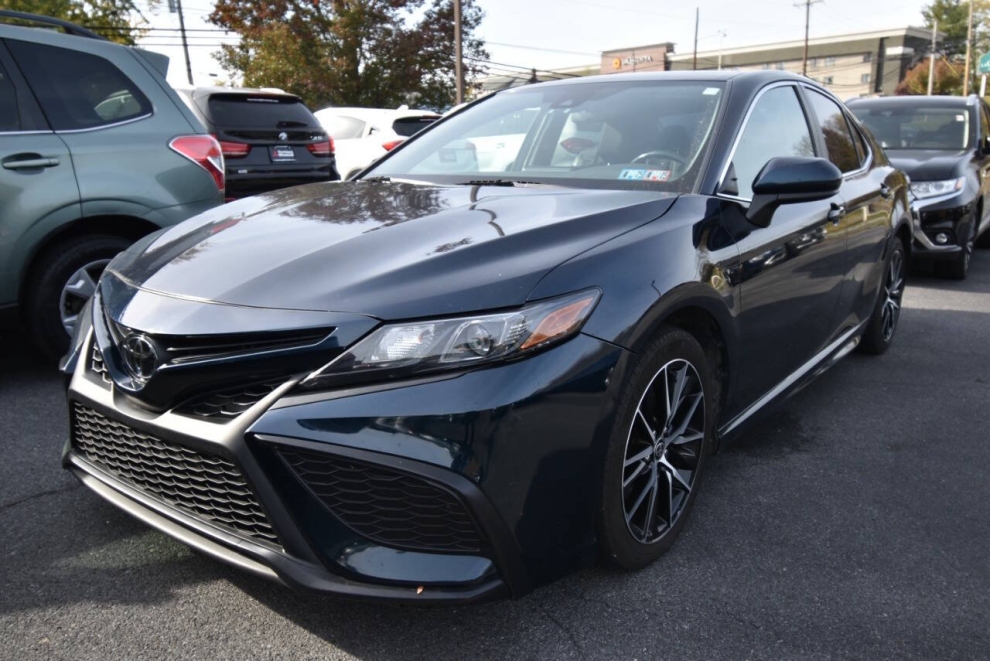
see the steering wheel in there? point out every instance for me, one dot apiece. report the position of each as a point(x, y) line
point(645, 157)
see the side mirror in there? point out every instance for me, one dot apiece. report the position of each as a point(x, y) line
point(787, 180)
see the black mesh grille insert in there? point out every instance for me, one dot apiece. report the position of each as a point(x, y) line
point(203, 485)
point(228, 404)
point(389, 507)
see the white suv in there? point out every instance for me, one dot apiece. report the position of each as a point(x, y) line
point(362, 135)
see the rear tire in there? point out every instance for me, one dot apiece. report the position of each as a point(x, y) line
point(61, 282)
point(655, 460)
point(882, 327)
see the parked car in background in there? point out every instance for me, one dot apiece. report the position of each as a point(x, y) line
point(270, 139)
point(365, 134)
point(943, 144)
point(443, 384)
point(96, 152)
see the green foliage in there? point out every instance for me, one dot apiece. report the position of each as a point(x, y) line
point(114, 19)
point(948, 79)
point(376, 53)
point(953, 22)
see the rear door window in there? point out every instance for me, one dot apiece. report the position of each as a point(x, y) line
point(238, 111)
point(78, 90)
point(836, 131)
point(408, 126)
point(343, 128)
point(9, 119)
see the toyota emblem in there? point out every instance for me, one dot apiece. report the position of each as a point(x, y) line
point(140, 357)
point(283, 136)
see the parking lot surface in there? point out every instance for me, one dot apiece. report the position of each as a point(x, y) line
point(851, 523)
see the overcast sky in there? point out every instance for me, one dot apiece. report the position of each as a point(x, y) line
point(531, 33)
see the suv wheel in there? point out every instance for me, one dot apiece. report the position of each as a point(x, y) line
point(958, 268)
point(61, 283)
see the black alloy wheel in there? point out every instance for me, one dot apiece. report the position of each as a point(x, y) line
point(658, 450)
point(880, 330)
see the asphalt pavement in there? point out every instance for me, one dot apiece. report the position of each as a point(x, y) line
point(853, 523)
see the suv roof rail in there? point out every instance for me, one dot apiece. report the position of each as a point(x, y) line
point(69, 28)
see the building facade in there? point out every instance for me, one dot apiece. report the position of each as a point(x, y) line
point(851, 65)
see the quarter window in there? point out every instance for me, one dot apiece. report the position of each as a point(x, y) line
point(341, 127)
point(776, 127)
point(838, 137)
point(78, 90)
point(9, 120)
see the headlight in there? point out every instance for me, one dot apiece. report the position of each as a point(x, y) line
point(923, 189)
point(401, 350)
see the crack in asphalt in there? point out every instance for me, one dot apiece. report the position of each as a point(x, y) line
point(566, 631)
point(35, 496)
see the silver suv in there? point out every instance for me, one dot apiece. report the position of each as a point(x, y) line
point(96, 151)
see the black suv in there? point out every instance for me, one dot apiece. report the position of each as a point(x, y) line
point(943, 144)
point(270, 139)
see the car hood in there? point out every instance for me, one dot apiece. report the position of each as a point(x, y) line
point(928, 164)
point(389, 250)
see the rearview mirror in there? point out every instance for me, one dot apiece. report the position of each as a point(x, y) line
point(787, 180)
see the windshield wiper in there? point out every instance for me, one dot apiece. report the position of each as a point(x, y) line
point(502, 182)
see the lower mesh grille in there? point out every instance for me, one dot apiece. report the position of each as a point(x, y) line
point(200, 484)
point(393, 508)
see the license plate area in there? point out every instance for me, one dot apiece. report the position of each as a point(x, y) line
point(282, 154)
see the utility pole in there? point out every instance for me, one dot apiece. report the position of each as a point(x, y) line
point(931, 63)
point(969, 47)
point(807, 22)
point(177, 7)
point(697, 17)
point(721, 35)
point(458, 55)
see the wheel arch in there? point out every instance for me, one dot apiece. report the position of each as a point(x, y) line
point(123, 226)
point(704, 314)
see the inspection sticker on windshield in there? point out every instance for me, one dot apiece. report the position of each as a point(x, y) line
point(632, 173)
point(710, 91)
point(657, 175)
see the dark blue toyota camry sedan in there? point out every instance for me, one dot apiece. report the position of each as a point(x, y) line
point(505, 350)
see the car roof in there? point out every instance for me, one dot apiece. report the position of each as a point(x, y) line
point(707, 75)
point(909, 101)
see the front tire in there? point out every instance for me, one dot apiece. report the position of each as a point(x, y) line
point(663, 434)
point(958, 268)
point(880, 330)
point(61, 283)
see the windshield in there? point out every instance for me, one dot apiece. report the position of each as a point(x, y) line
point(642, 134)
point(917, 127)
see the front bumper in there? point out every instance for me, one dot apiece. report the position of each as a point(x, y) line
point(518, 446)
point(940, 215)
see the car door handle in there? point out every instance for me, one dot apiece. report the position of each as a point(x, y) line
point(886, 192)
point(34, 163)
point(836, 213)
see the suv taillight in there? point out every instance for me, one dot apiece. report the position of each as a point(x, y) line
point(233, 149)
point(324, 148)
point(204, 151)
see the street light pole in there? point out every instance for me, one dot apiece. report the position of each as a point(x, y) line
point(807, 22)
point(721, 36)
point(458, 55)
point(969, 47)
point(931, 62)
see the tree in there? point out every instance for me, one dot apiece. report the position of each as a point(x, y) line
point(376, 53)
point(117, 20)
point(948, 79)
point(953, 22)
